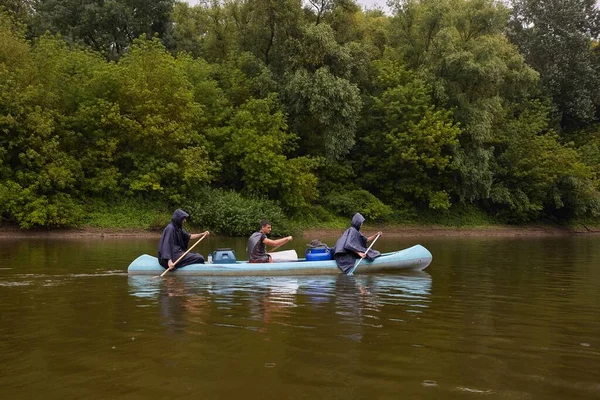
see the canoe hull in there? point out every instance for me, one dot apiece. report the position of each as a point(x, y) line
point(415, 258)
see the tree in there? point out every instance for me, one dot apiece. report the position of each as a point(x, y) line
point(556, 39)
point(324, 110)
point(258, 142)
point(459, 48)
point(189, 30)
point(409, 143)
point(537, 176)
point(266, 26)
point(20, 10)
point(40, 176)
point(106, 26)
point(164, 150)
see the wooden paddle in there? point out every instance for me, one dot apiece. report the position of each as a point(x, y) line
point(183, 255)
point(351, 272)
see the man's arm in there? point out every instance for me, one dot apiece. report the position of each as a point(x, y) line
point(372, 237)
point(277, 242)
point(195, 236)
point(369, 239)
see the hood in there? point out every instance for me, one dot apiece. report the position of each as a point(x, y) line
point(178, 217)
point(357, 221)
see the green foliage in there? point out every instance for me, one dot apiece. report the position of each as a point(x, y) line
point(348, 203)
point(409, 144)
point(190, 26)
point(41, 177)
point(108, 27)
point(230, 213)
point(557, 40)
point(325, 110)
point(432, 110)
point(129, 213)
point(459, 47)
point(588, 143)
point(30, 209)
point(319, 49)
point(316, 216)
point(456, 216)
point(157, 109)
point(206, 30)
point(18, 10)
point(259, 142)
point(265, 28)
point(539, 176)
point(242, 77)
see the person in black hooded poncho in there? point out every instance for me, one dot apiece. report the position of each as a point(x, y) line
point(174, 242)
point(352, 245)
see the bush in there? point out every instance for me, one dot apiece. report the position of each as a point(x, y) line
point(229, 213)
point(29, 209)
point(457, 216)
point(129, 213)
point(346, 204)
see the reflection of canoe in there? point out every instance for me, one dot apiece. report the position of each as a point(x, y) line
point(410, 286)
point(414, 258)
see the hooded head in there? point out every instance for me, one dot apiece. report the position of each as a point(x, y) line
point(357, 221)
point(178, 217)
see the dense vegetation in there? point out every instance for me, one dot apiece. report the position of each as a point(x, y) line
point(241, 109)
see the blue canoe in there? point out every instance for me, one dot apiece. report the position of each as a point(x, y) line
point(415, 258)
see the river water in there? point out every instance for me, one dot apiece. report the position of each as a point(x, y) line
point(501, 318)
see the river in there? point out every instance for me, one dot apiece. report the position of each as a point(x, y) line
point(501, 318)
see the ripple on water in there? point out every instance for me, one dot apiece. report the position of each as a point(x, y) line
point(473, 390)
point(11, 283)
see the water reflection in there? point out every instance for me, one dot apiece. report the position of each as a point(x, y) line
point(257, 303)
point(506, 318)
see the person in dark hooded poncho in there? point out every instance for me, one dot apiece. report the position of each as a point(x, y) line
point(174, 242)
point(352, 245)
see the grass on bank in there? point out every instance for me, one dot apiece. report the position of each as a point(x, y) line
point(222, 212)
point(132, 214)
point(228, 213)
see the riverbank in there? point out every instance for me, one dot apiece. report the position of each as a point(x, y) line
point(7, 232)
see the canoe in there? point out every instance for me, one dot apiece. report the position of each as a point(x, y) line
point(415, 258)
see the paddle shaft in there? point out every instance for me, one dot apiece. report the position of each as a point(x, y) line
point(360, 259)
point(183, 255)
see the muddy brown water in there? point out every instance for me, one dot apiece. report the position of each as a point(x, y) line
point(501, 318)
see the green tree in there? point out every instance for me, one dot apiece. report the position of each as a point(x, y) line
point(409, 143)
point(40, 177)
point(20, 10)
point(105, 26)
point(556, 40)
point(189, 30)
point(265, 28)
point(258, 141)
point(459, 48)
point(160, 117)
point(536, 175)
point(324, 110)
